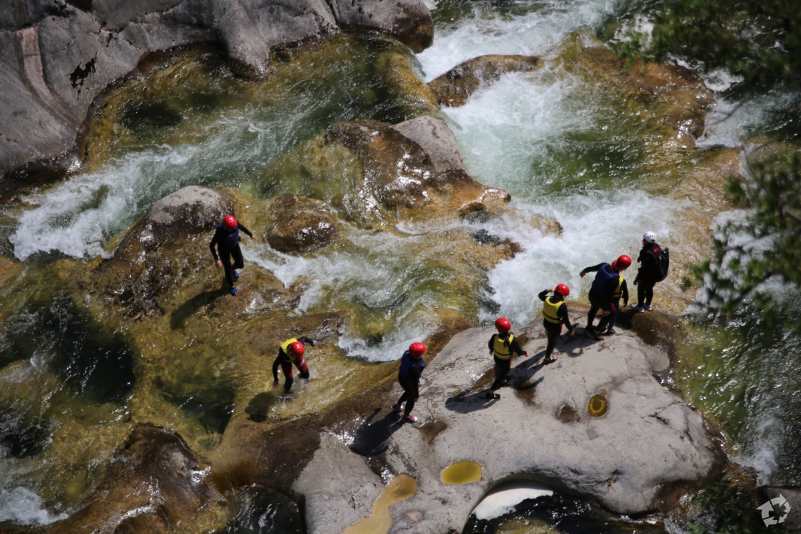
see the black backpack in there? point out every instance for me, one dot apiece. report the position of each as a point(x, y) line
point(663, 261)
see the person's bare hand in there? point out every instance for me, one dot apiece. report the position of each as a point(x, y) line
point(219, 264)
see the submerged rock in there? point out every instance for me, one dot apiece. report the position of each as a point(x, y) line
point(140, 271)
point(154, 484)
point(455, 86)
point(371, 172)
point(300, 225)
point(647, 440)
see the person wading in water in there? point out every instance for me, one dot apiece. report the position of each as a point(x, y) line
point(226, 242)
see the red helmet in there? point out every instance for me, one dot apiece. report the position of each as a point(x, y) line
point(297, 348)
point(417, 349)
point(230, 222)
point(621, 263)
point(562, 290)
point(503, 324)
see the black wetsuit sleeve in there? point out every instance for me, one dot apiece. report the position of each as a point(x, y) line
point(563, 315)
point(247, 232)
point(306, 340)
point(624, 288)
point(592, 269)
point(544, 294)
point(213, 245)
point(516, 348)
point(491, 343)
point(276, 364)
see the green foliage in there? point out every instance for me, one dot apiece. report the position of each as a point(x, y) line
point(764, 244)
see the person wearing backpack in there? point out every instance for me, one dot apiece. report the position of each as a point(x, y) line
point(502, 346)
point(653, 268)
point(608, 283)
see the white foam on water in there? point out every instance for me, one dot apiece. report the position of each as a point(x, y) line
point(729, 123)
point(596, 228)
point(380, 273)
point(502, 502)
point(504, 128)
point(487, 32)
point(78, 216)
point(24, 507)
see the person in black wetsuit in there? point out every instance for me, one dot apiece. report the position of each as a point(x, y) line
point(649, 272)
point(226, 242)
point(554, 315)
point(608, 281)
point(606, 324)
point(411, 368)
point(290, 352)
point(502, 346)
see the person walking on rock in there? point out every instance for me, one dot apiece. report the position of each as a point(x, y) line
point(503, 346)
point(225, 247)
point(291, 352)
point(554, 315)
point(608, 282)
point(411, 369)
point(653, 268)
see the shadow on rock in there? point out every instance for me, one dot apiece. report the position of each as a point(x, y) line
point(574, 345)
point(372, 438)
point(466, 402)
point(188, 308)
point(259, 406)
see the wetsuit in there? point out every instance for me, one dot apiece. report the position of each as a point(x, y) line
point(621, 291)
point(648, 273)
point(602, 298)
point(554, 315)
point(226, 242)
point(411, 369)
point(286, 360)
point(503, 347)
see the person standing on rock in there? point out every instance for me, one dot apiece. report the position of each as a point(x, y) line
point(503, 346)
point(226, 242)
point(291, 352)
point(554, 315)
point(653, 268)
point(608, 282)
point(411, 369)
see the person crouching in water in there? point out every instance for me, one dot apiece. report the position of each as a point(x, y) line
point(554, 314)
point(608, 281)
point(411, 369)
point(290, 353)
point(226, 242)
point(503, 346)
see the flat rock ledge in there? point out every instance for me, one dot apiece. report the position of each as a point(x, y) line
point(648, 440)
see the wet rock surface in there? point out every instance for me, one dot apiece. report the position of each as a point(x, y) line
point(455, 86)
point(155, 484)
point(300, 225)
point(58, 57)
point(647, 440)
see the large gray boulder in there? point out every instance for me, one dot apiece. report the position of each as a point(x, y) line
point(56, 57)
point(193, 207)
point(648, 440)
point(436, 138)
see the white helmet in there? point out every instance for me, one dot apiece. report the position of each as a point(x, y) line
point(649, 237)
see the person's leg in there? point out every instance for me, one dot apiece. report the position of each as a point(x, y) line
point(641, 292)
point(303, 369)
point(287, 368)
point(225, 257)
point(592, 313)
point(403, 398)
point(611, 318)
point(649, 295)
point(501, 372)
point(239, 261)
point(552, 331)
point(413, 394)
